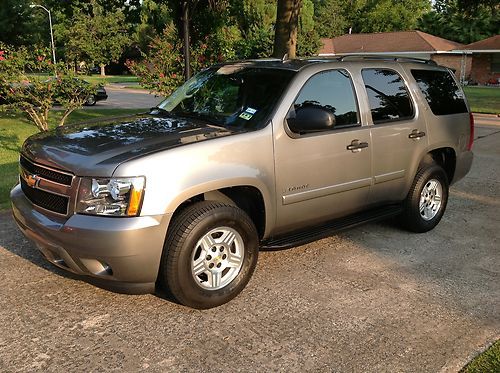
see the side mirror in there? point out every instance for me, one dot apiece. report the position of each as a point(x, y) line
point(311, 119)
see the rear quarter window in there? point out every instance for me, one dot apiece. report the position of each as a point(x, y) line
point(441, 92)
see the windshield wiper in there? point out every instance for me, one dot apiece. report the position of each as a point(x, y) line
point(159, 109)
point(194, 115)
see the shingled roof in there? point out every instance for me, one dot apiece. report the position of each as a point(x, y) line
point(402, 41)
point(492, 43)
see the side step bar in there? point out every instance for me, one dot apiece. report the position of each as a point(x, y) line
point(314, 233)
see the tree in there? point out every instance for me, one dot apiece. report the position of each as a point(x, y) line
point(385, 15)
point(98, 39)
point(329, 18)
point(21, 25)
point(287, 24)
point(308, 41)
point(462, 21)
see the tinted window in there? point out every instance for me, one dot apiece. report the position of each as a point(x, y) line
point(440, 91)
point(388, 96)
point(333, 91)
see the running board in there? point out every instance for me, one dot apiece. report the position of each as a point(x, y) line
point(314, 233)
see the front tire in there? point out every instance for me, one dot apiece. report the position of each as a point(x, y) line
point(209, 255)
point(426, 202)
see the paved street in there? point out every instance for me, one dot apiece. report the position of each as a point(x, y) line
point(119, 97)
point(372, 299)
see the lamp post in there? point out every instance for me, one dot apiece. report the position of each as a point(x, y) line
point(51, 34)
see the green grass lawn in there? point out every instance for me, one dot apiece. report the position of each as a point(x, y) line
point(14, 129)
point(483, 99)
point(488, 361)
point(97, 79)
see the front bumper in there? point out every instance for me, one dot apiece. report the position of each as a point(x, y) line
point(119, 254)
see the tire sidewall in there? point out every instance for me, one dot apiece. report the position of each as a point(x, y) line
point(423, 177)
point(225, 216)
point(91, 101)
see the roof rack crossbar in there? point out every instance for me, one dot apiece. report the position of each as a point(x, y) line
point(386, 58)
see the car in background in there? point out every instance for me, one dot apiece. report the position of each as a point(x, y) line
point(100, 95)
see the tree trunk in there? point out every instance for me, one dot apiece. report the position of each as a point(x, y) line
point(185, 39)
point(287, 24)
point(103, 71)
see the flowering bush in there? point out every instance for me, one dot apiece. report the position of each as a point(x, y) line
point(21, 89)
point(162, 68)
point(161, 71)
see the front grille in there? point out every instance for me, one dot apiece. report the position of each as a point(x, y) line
point(46, 200)
point(46, 173)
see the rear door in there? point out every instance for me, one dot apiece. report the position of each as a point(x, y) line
point(399, 134)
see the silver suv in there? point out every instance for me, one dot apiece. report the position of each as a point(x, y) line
point(247, 155)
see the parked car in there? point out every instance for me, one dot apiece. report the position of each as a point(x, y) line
point(100, 95)
point(246, 155)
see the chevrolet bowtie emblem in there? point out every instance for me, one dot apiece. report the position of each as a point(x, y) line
point(31, 179)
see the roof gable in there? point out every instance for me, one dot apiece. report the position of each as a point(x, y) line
point(492, 43)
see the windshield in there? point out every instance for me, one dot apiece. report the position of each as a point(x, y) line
point(232, 95)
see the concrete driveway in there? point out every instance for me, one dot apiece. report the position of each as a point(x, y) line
point(372, 299)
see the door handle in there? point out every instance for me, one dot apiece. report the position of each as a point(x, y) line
point(416, 134)
point(356, 146)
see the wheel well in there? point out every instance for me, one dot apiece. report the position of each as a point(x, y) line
point(446, 158)
point(247, 198)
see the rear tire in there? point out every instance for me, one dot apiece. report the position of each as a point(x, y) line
point(209, 255)
point(90, 101)
point(426, 202)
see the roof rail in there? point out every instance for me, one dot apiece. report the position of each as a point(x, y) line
point(386, 58)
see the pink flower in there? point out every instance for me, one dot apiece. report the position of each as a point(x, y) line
point(174, 75)
point(162, 75)
point(40, 58)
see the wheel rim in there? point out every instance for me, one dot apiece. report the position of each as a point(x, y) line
point(90, 100)
point(430, 199)
point(217, 258)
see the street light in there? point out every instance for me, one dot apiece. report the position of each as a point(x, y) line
point(51, 34)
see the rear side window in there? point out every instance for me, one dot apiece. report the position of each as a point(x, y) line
point(440, 91)
point(388, 96)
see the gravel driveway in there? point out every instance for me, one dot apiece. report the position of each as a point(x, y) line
point(372, 299)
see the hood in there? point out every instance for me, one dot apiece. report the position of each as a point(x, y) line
point(96, 149)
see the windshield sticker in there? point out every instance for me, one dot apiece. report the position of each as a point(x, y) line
point(250, 110)
point(246, 116)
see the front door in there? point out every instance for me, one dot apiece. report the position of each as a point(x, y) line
point(324, 174)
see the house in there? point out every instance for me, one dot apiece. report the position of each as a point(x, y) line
point(485, 60)
point(418, 44)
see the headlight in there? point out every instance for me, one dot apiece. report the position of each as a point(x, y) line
point(111, 197)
